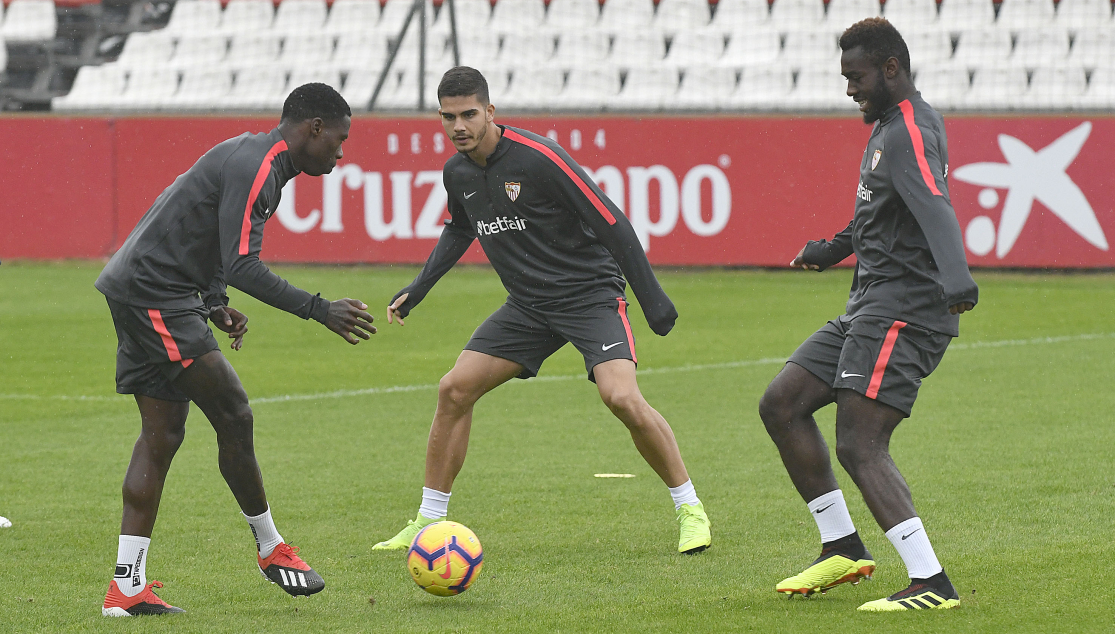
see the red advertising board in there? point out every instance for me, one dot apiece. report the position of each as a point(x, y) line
point(1028, 191)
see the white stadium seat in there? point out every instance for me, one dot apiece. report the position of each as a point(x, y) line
point(328, 76)
point(797, 15)
point(928, 48)
point(3, 55)
point(1051, 87)
point(202, 88)
point(257, 88)
point(961, 15)
point(705, 88)
point(626, 16)
point(360, 51)
point(392, 16)
point(910, 16)
point(352, 16)
point(254, 48)
point(569, 16)
point(300, 16)
point(307, 50)
point(478, 49)
point(986, 47)
point(146, 50)
point(498, 79)
point(472, 17)
point(1101, 90)
point(95, 88)
point(534, 89)
point(582, 49)
point(526, 50)
point(638, 49)
point(1025, 14)
point(820, 89)
point(247, 16)
point(735, 16)
point(762, 88)
point(679, 16)
point(646, 88)
point(997, 88)
point(752, 48)
point(691, 48)
point(1093, 48)
point(813, 49)
point(149, 88)
point(944, 87)
point(1079, 15)
point(588, 89)
point(518, 16)
point(1041, 47)
point(199, 51)
point(29, 21)
point(842, 14)
point(194, 17)
point(358, 87)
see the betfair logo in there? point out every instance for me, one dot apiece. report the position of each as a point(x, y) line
point(499, 225)
point(863, 193)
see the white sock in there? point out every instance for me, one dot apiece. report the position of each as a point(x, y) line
point(131, 564)
point(435, 504)
point(831, 514)
point(263, 528)
point(684, 494)
point(913, 545)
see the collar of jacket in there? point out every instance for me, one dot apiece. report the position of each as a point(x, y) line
point(286, 166)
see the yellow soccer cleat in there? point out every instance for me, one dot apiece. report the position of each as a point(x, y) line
point(829, 570)
point(403, 540)
point(934, 593)
point(696, 530)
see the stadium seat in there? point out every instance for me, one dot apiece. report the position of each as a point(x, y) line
point(1077, 15)
point(646, 88)
point(526, 50)
point(582, 49)
point(928, 48)
point(518, 16)
point(812, 48)
point(751, 48)
point(352, 16)
point(360, 51)
point(1093, 48)
point(626, 16)
point(358, 87)
point(477, 49)
point(588, 89)
point(910, 16)
point(94, 88)
point(300, 16)
point(842, 14)
point(253, 48)
point(819, 88)
point(997, 88)
point(1100, 94)
point(1055, 87)
point(498, 78)
point(472, 18)
point(393, 15)
point(762, 88)
point(986, 47)
point(247, 16)
point(3, 55)
point(149, 89)
point(797, 15)
point(1025, 14)
point(736, 16)
point(944, 87)
point(202, 88)
point(569, 16)
point(194, 17)
point(312, 50)
point(146, 50)
point(1040, 47)
point(199, 51)
point(533, 89)
point(29, 21)
point(694, 48)
point(257, 88)
point(705, 88)
point(965, 15)
point(401, 92)
point(680, 16)
point(638, 49)
point(328, 76)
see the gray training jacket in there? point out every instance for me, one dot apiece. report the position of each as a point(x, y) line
point(910, 262)
point(205, 231)
point(551, 234)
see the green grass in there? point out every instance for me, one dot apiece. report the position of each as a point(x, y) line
point(1009, 454)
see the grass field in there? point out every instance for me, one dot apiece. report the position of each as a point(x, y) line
point(1009, 454)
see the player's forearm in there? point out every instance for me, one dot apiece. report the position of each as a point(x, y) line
point(826, 253)
point(623, 244)
point(215, 295)
point(251, 276)
point(450, 248)
point(942, 232)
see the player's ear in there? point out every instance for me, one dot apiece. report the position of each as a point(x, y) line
point(317, 126)
point(491, 111)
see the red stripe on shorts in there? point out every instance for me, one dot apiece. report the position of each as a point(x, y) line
point(172, 352)
point(627, 327)
point(884, 358)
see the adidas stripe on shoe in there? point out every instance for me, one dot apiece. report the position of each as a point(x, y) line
point(934, 593)
point(285, 568)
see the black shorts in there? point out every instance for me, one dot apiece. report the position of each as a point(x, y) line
point(155, 345)
point(528, 336)
point(881, 358)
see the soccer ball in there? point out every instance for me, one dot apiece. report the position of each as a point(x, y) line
point(445, 558)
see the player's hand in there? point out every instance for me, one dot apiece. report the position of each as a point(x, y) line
point(799, 262)
point(393, 309)
point(962, 307)
point(349, 319)
point(232, 321)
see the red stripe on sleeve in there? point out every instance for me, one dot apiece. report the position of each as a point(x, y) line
point(172, 352)
point(884, 358)
point(919, 146)
point(257, 184)
point(581, 184)
point(627, 327)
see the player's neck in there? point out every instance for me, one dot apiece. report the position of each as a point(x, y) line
point(903, 91)
point(488, 145)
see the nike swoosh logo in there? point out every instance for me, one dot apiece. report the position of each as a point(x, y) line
point(467, 196)
point(609, 347)
point(822, 510)
point(845, 375)
point(448, 560)
point(910, 533)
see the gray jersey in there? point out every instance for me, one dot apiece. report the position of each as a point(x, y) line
point(910, 256)
point(206, 231)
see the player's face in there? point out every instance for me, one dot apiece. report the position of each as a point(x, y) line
point(867, 84)
point(324, 147)
point(466, 121)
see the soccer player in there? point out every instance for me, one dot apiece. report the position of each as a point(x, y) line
point(911, 283)
point(168, 278)
point(561, 249)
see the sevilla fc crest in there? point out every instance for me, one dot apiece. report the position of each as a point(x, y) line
point(875, 159)
point(512, 190)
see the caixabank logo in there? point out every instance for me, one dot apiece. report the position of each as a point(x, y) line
point(1050, 211)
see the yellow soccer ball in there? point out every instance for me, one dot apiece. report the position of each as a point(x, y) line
point(445, 558)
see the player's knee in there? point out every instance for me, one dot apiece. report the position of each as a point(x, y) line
point(852, 452)
point(775, 411)
point(453, 392)
point(622, 402)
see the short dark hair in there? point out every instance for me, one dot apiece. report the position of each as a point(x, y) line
point(316, 100)
point(880, 41)
point(463, 81)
